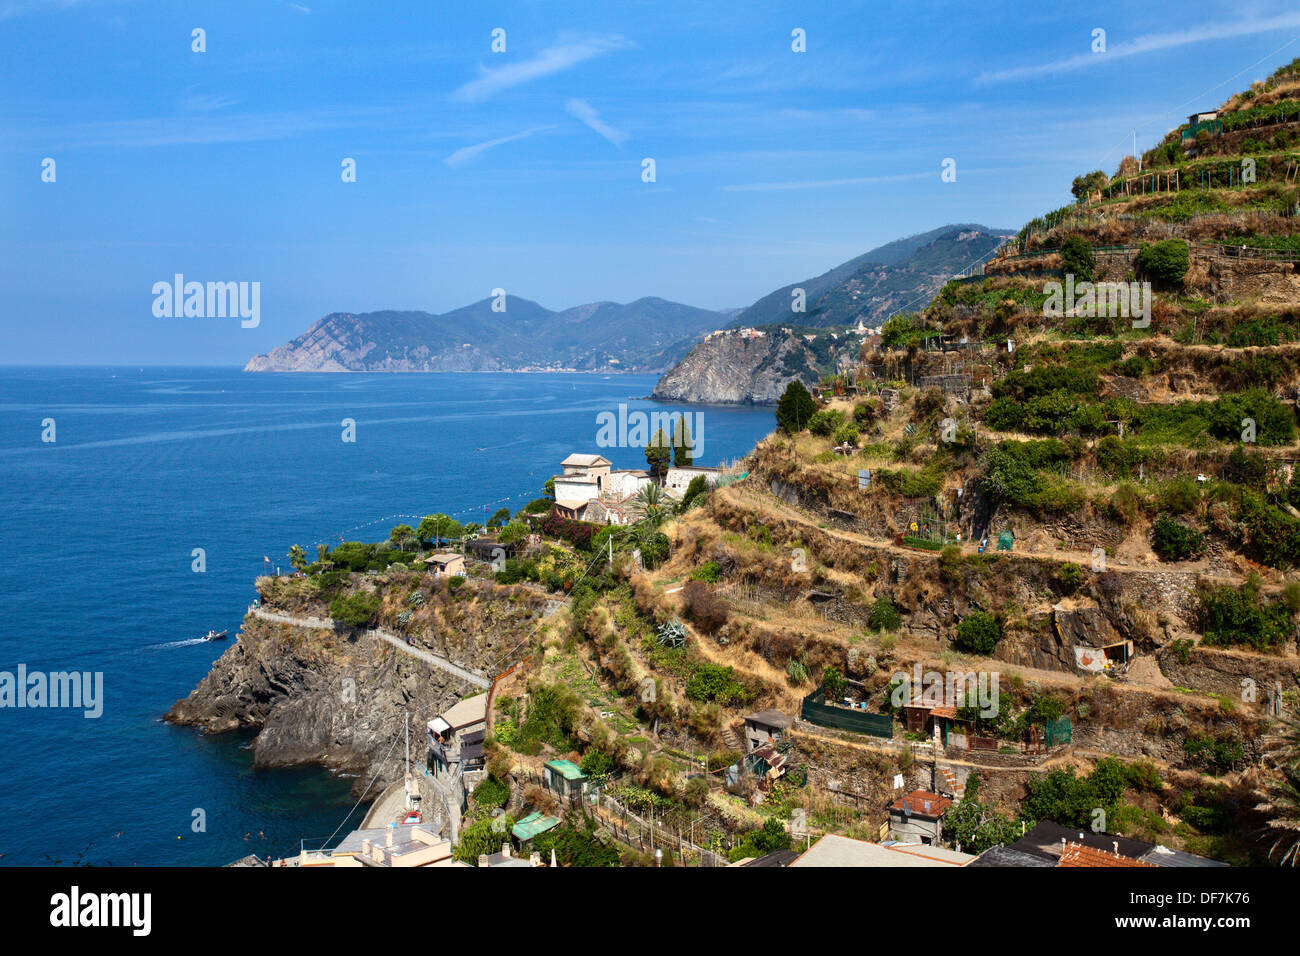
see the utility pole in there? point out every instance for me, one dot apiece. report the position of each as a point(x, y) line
point(1135, 149)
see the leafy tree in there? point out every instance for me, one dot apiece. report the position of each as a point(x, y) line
point(548, 489)
point(439, 526)
point(502, 515)
point(658, 454)
point(401, 536)
point(795, 408)
point(1088, 183)
point(977, 827)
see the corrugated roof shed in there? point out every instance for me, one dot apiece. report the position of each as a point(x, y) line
point(1005, 856)
point(1163, 856)
point(567, 769)
point(533, 824)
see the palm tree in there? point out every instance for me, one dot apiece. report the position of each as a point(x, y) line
point(1282, 802)
point(651, 499)
point(1282, 796)
point(298, 558)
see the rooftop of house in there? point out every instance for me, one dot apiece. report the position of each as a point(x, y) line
point(464, 713)
point(585, 461)
point(1047, 839)
point(1077, 854)
point(770, 718)
point(834, 850)
point(442, 557)
point(567, 769)
point(922, 803)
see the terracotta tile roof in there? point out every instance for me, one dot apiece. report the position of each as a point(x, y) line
point(1076, 854)
point(923, 803)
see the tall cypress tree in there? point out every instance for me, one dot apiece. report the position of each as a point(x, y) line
point(683, 447)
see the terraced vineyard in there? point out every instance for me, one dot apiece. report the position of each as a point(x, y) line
point(1077, 474)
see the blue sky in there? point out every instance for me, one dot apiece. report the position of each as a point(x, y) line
point(522, 169)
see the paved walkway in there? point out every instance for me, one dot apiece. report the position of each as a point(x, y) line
point(433, 660)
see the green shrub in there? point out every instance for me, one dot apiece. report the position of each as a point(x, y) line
point(1076, 259)
point(355, 610)
point(490, 794)
point(714, 682)
point(883, 616)
point(709, 571)
point(1240, 615)
point(846, 434)
point(1175, 542)
point(1217, 755)
point(1165, 261)
point(978, 633)
point(826, 421)
point(833, 683)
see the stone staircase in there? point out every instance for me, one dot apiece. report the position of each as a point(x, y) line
point(731, 740)
point(948, 784)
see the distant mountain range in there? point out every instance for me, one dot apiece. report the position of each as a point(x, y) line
point(648, 335)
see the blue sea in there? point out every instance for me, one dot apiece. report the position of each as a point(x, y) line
point(97, 547)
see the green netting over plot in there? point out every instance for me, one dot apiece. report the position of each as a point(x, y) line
point(1059, 731)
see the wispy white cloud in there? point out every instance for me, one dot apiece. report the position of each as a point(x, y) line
point(824, 183)
point(468, 154)
point(206, 103)
point(1150, 43)
point(586, 114)
point(300, 8)
point(563, 55)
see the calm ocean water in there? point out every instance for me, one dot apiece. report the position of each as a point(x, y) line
point(95, 566)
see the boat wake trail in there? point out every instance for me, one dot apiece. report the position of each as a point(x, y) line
point(185, 643)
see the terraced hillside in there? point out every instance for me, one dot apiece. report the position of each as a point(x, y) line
point(1097, 506)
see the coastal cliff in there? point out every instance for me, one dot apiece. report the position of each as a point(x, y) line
point(753, 366)
point(337, 696)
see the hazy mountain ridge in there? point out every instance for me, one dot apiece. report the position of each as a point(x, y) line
point(743, 368)
point(647, 335)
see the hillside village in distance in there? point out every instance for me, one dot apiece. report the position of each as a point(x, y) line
point(1014, 585)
